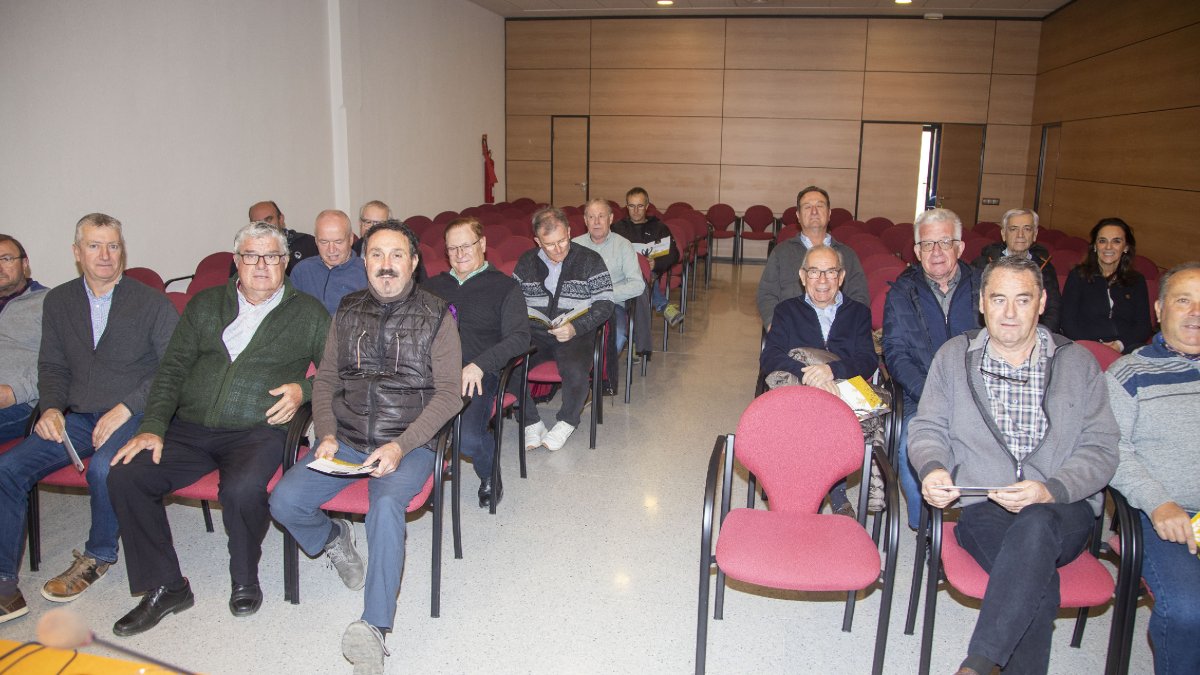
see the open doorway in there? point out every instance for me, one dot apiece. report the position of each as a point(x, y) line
point(569, 149)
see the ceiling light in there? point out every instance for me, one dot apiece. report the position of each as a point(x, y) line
point(666, 3)
point(903, 2)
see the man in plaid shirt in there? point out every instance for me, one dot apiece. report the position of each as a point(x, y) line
point(1024, 413)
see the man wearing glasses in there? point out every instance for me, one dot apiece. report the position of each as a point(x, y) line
point(338, 270)
point(1018, 229)
point(301, 245)
point(20, 336)
point(231, 380)
point(569, 295)
point(823, 318)
point(641, 228)
point(1024, 413)
point(371, 214)
point(925, 307)
point(779, 279)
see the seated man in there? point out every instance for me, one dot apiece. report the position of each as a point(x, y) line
point(824, 319)
point(1155, 393)
point(390, 379)
point(1018, 229)
point(623, 269)
point(492, 326)
point(641, 227)
point(1016, 408)
point(560, 279)
point(232, 378)
point(338, 270)
point(371, 214)
point(101, 340)
point(20, 337)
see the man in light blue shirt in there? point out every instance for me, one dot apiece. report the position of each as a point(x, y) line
point(338, 270)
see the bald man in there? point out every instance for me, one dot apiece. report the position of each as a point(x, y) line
point(338, 270)
point(300, 245)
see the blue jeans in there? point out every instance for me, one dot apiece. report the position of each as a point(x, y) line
point(1173, 575)
point(1021, 552)
point(908, 475)
point(620, 324)
point(35, 458)
point(296, 505)
point(478, 443)
point(13, 421)
point(658, 297)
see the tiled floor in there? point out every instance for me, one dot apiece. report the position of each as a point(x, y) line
point(590, 566)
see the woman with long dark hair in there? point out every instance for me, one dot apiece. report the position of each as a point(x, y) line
point(1105, 299)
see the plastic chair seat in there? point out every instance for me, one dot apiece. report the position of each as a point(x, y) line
point(759, 547)
point(1083, 582)
point(356, 497)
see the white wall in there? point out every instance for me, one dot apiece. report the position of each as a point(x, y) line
point(175, 115)
point(424, 79)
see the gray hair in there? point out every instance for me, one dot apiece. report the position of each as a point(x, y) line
point(599, 201)
point(937, 216)
point(98, 220)
point(1012, 213)
point(547, 218)
point(377, 203)
point(1014, 264)
point(260, 229)
point(822, 247)
point(1165, 280)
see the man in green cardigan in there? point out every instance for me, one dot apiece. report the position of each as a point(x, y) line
point(232, 378)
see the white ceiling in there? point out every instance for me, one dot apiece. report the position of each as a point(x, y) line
point(544, 9)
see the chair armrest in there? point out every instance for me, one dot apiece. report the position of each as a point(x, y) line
point(295, 431)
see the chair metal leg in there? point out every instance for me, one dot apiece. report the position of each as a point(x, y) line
point(435, 586)
point(935, 568)
point(629, 349)
point(33, 523)
point(207, 510)
point(1080, 623)
point(914, 596)
point(456, 488)
point(291, 569)
point(892, 546)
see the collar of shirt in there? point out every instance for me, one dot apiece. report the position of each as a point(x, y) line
point(264, 308)
point(826, 315)
point(241, 330)
point(553, 271)
point(949, 287)
point(1161, 341)
point(828, 240)
point(463, 280)
point(99, 307)
point(1027, 256)
point(343, 265)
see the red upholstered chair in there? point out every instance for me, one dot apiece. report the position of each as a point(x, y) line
point(1127, 545)
point(797, 441)
point(572, 211)
point(1083, 582)
point(519, 227)
point(790, 217)
point(418, 224)
point(505, 401)
point(178, 299)
point(547, 373)
point(677, 208)
point(987, 229)
point(1064, 259)
point(433, 235)
point(525, 204)
point(496, 233)
point(147, 276)
point(355, 499)
point(506, 265)
point(1048, 237)
point(699, 242)
point(1140, 263)
point(433, 258)
point(899, 240)
point(445, 217)
point(847, 227)
point(723, 224)
point(758, 224)
point(838, 216)
point(973, 245)
point(1074, 244)
point(1152, 292)
point(1104, 355)
point(512, 248)
point(878, 224)
point(786, 232)
point(578, 226)
point(877, 302)
point(212, 270)
point(867, 244)
point(474, 211)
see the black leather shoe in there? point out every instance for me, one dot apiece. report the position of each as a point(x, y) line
point(486, 491)
point(245, 600)
point(609, 390)
point(154, 606)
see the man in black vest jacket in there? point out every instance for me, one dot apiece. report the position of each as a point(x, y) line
point(389, 380)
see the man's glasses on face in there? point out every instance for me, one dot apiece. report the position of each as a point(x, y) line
point(942, 244)
point(814, 273)
point(370, 223)
point(455, 250)
point(10, 259)
point(635, 207)
point(268, 258)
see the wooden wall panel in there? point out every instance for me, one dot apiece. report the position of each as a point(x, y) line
point(528, 137)
point(547, 92)
point(1017, 47)
point(678, 43)
point(796, 44)
point(813, 143)
point(890, 153)
point(776, 187)
point(1157, 74)
point(1011, 99)
point(820, 94)
point(667, 140)
point(1159, 149)
point(672, 93)
point(1007, 149)
point(547, 44)
point(528, 179)
point(1009, 189)
point(926, 97)
point(696, 184)
point(1035, 150)
point(930, 46)
point(1089, 27)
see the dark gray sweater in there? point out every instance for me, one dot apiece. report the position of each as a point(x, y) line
point(71, 374)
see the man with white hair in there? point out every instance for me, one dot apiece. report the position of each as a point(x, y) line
point(1018, 231)
point(338, 270)
point(231, 380)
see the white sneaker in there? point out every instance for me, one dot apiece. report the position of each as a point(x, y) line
point(362, 645)
point(558, 436)
point(534, 435)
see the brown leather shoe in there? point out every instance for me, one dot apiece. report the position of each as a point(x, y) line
point(78, 578)
point(12, 607)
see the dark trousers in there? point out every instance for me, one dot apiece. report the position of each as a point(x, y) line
point(640, 307)
point(478, 443)
point(574, 359)
point(246, 459)
point(1021, 553)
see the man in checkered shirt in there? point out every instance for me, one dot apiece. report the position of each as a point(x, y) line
point(1025, 412)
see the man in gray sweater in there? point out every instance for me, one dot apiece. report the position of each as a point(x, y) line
point(1155, 396)
point(102, 338)
point(1024, 413)
point(20, 335)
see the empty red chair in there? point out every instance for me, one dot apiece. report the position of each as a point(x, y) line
point(973, 245)
point(147, 276)
point(496, 233)
point(877, 225)
point(838, 216)
point(877, 302)
point(1064, 259)
point(445, 217)
point(1146, 266)
point(789, 217)
point(1074, 244)
point(866, 244)
point(578, 226)
point(434, 259)
point(758, 224)
point(723, 223)
point(1048, 237)
point(418, 223)
point(512, 248)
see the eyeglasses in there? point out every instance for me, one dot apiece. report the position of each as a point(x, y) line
point(370, 223)
point(814, 273)
point(636, 207)
point(10, 259)
point(455, 250)
point(943, 244)
point(268, 258)
point(1006, 378)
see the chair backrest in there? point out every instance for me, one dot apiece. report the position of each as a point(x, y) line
point(839, 215)
point(785, 233)
point(1048, 237)
point(434, 259)
point(878, 224)
point(178, 299)
point(721, 216)
point(866, 244)
point(445, 217)
point(1073, 244)
point(789, 217)
point(877, 302)
point(524, 203)
point(644, 263)
point(512, 248)
point(496, 233)
point(798, 441)
point(578, 226)
point(221, 260)
point(1104, 355)
point(208, 278)
point(681, 232)
point(418, 223)
point(147, 276)
point(1152, 292)
point(1146, 266)
point(758, 218)
point(1064, 259)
